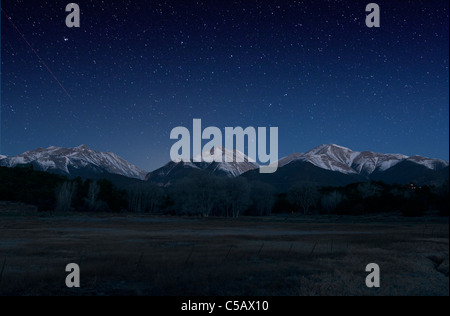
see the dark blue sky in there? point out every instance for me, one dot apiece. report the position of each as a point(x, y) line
point(137, 69)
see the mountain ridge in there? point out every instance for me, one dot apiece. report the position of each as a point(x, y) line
point(342, 162)
point(63, 160)
point(218, 161)
point(338, 158)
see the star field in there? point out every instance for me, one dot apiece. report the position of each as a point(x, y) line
point(135, 70)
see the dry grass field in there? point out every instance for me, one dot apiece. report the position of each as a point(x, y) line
point(275, 256)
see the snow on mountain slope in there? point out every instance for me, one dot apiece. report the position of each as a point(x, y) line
point(169, 168)
point(214, 162)
point(332, 157)
point(61, 159)
point(341, 159)
point(222, 154)
point(287, 160)
point(368, 162)
point(430, 163)
point(329, 157)
point(232, 163)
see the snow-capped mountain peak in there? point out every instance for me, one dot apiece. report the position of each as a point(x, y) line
point(221, 154)
point(341, 159)
point(233, 163)
point(220, 160)
point(430, 163)
point(329, 149)
point(63, 160)
point(332, 157)
point(84, 161)
point(216, 161)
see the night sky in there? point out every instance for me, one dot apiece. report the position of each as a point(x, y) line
point(135, 70)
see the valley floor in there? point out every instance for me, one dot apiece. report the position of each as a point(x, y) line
point(279, 255)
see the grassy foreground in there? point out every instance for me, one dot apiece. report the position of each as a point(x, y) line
point(279, 255)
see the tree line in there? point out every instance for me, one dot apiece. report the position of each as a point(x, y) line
point(206, 195)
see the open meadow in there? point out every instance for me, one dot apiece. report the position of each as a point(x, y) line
point(282, 255)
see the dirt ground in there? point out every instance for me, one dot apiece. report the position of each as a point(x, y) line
point(287, 255)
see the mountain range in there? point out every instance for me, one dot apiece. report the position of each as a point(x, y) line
point(340, 159)
point(330, 165)
point(334, 165)
point(79, 161)
point(174, 171)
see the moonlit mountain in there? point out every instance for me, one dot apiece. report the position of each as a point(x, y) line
point(344, 160)
point(324, 165)
point(75, 161)
point(216, 164)
point(334, 165)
